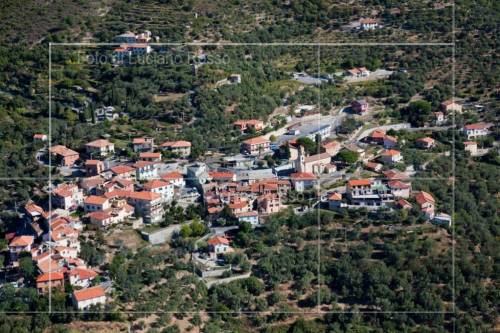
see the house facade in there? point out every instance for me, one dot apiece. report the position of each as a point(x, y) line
point(256, 146)
point(100, 148)
point(85, 298)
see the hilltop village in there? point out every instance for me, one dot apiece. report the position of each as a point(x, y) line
point(104, 189)
point(156, 187)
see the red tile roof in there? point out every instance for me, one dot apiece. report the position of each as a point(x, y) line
point(99, 143)
point(302, 176)
point(176, 144)
point(426, 140)
point(155, 183)
point(144, 195)
point(22, 241)
point(256, 141)
point(149, 155)
point(218, 240)
point(221, 175)
point(396, 184)
point(477, 126)
point(172, 175)
point(377, 134)
point(391, 152)
point(121, 169)
point(95, 200)
point(238, 205)
point(142, 164)
point(137, 141)
point(89, 293)
point(335, 197)
point(50, 277)
point(424, 197)
point(62, 150)
point(82, 273)
point(93, 162)
point(359, 182)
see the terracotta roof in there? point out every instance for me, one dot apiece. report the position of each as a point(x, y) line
point(317, 157)
point(82, 273)
point(149, 155)
point(397, 184)
point(330, 144)
point(89, 293)
point(377, 134)
point(142, 164)
point(238, 204)
point(50, 277)
point(100, 215)
point(39, 136)
point(302, 176)
point(22, 241)
point(144, 195)
point(155, 183)
point(248, 122)
point(404, 203)
point(138, 141)
point(367, 21)
point(95, 200)
point(394, 174)
point(100, 143)
point(391, 152)
point(373, 165)
point(359, 182)
point(172, 175)
point(32, 208)
point(256, 141)
point(121, 169)
point(424, 197)
point(470, 143)
point(221, 175)
point(176, 144)
point(93, 162)
point(65, 190)
point(62, 150)
point(477, 126)
point(218, 240)
point(213, 210)
point(248, 214)
point(335, 197)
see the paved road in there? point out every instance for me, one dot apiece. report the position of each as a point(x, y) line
point(226, 280)
point(397, 127)
point(379, 74)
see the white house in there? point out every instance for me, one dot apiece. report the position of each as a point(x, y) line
point(175, 178)
point(477, 130)
point(85, 298)
point(302, 181)
point(81, 277)
point(391, 156)
point(219, 245)
point(100, 147)
point(145, 170)
point(164, 188)
point(67, 196)
point(368, 24)
point(251, 217)
point(94, 203)
point(471, 147)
